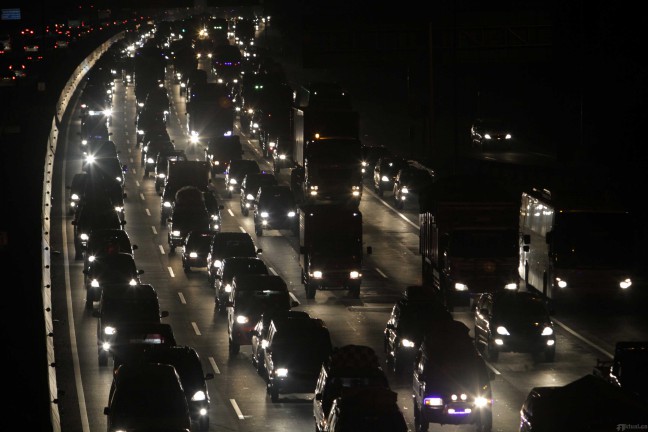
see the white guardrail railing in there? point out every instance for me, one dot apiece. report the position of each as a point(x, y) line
point(46, 289)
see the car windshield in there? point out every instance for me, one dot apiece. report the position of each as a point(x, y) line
point(200, 242)
point(234, 248)
point(244, 267)
point(483, 243)
point(262, 300)
point(125, 310)
point(520, 308)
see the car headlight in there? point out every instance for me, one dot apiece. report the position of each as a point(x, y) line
point(199, 396)
point(561, 283)
point(249, 197)
point(161, 175)
point(232, 181)
point(433, 401)
point(487, 136)
point(384, 178)
point(404, 190)
point(218, 263)
point(264, 344)
point(625, 284)
point(264, 214)
point(461, 287)
point(175, 233)
point(228, 288)
point(150, 160)
point(501, 330)
point(508, 136)
point(406, 343)
point(281, 372)
point(242, 319)
point(282, 156)
point(511, 286)
point(481, 402)
point(291, 214)
point(214, 217)
point(354, 274)
point(94, 283)
point(317, 274)
point(105, 346)
point(109, 330)
point(132, 282)
point(193, 255)
point(167, 204)
point(547, 331)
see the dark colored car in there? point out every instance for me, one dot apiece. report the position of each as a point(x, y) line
point(385, 171)
point(148, 122)
point(370, 154)
point(372, 409)
point(231, 267)
point(275, 208)
point(514, 321)
point(405, 328)
point(229, 244)
point(95, 214)
point(450, 380)
point(187, 364)
point(259, 338)
point(118, 268)
point(408, 185)
point(235, 173)
point(183, 220)
point(151, 149)
point(492, 134)
point(102, 242)
point(293, 358)
point(76, 191)
point(196, 249)
point(250, 187)
point(94, 127)
point(252, 296)
point(121, 304)
point(221, 150)
point(147, 397)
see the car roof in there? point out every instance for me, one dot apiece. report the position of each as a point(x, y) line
point(124, 290)
point(258, 282)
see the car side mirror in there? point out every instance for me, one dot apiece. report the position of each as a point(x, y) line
point(209, 376)
point(369, 250)
point(259, 251)
point(318, 396)
point(85, 271)
point(134, 247)
point(96, 314)
point(526, 248)
point(219, 277)
point(294, 303)
point(164, 314)
point(221, 207)
point(229, 303)
point(391, 326)
point(106, 410)
point(302, 250)
point(140, 272)
point(526, 239)
point(123, 223)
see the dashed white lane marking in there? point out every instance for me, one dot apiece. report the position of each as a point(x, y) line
point(212, 362)
point(196, 329)
point(381, 273)
point(237, 410)
point(171, 272)
point(182, 298)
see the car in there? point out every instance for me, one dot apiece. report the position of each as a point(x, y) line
point(147, 396)
point(95, 213)
point(250, 187)
point(408, 184)
point(385, 172)
point(111, 171)
point(157, 99)
point(251, 296)
point(259, 336)
point(136, 337)
point(275, 208)
point(100, 148)
point(121, 304)
point(229, 244)
point(155, 145)
point(236, 170)
point(366, 409)
point(93, 127)
point(492, 134)
point(188, 365)
point(196, 249)
point(348, 367)
point(76, 191)
point(293, 357)
point(183, 220)
point(110, 269)
point(450, 380)
point(514, 321)
point(229, 268)
point(102, 242)
point(370, 154)
point(149, 123)
point(415, 311)
point(220, 151)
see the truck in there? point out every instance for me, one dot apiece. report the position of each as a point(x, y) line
point(580, 243)
point(330, 248)
point(628, 369)
point(326, 156)
point(182, 173)
point(468, 236)
point(210, 113)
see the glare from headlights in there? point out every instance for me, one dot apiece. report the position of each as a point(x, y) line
point(487, 136)
point(264, 344)
point(228, 288)
point(94, 283)
point(232, 181)
point(433, 401)
point(317, 274)
point(625, 284)
point(199, 396)
point(481, 402)
point(511, 286)
point(281, 372)
point(562, 283)
point(249, 197)
point(105, 346)
point(193, 255)
point(291, 214)
point(354, 274)
point(109, 330)
point(385, 178)
point(241, 319)
point(404, 190)
point(406, 343)
point(547, 331)
point(264, 214)
point(502, 331)
point(218, 263)
point(132, 282)
point(461, 287)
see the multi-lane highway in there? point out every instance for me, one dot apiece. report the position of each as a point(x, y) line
point(238, 395)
